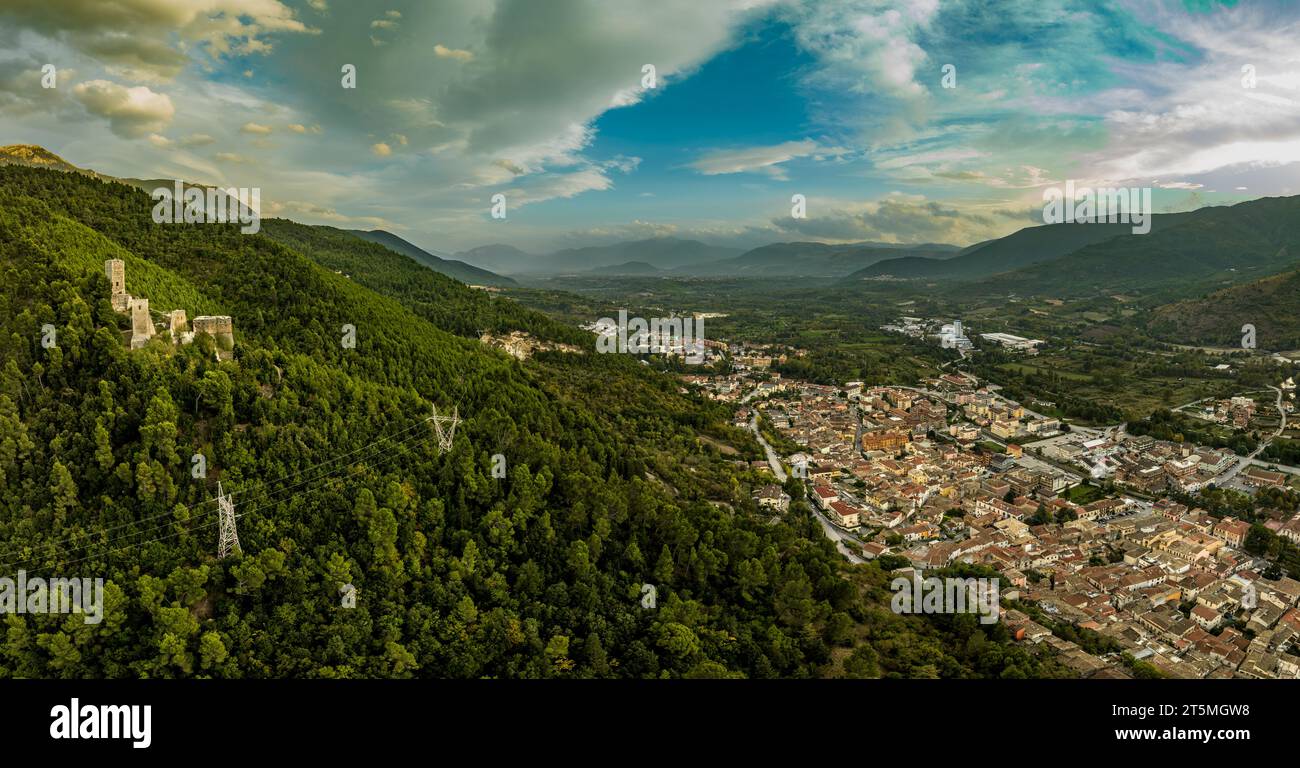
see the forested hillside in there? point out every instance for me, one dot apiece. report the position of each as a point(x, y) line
point(1272, 305)
point(338, 479)
point(1184, 255)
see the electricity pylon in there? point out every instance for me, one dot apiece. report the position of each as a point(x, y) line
point(445, 437)
point(229, 535)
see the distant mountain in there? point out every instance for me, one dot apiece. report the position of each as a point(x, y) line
point(1031, 245)
point(805, 259)
point(1272, 305)
point(1184, 255)
point(458, 270)
point(659, 252)
point(628, 268)
point(498, 258)
point(33, 156)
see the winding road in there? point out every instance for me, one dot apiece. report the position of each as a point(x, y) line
point(774, 461)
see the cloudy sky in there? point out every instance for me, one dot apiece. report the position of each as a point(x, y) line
point(545, 101)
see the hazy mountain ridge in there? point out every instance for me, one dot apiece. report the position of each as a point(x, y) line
point(809, 259)
point(1184, 255)
point(628, 268)
point(466, 273)
point(1025, 247)
point(680, 257)
point(496, 257)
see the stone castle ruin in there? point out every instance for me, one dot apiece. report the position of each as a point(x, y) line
point(220, 327)
point(141, 323)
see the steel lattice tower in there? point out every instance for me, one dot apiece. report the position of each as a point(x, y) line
point(445, 438)
point(229, 535)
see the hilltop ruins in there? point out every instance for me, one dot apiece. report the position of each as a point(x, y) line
point(220, 327)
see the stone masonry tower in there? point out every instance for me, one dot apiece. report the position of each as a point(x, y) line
point(177, 323)
point(116, 271)
point(141, 323)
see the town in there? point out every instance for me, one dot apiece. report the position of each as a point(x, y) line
point(1084, 523)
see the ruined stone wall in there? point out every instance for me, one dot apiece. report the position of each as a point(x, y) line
point(219, 327)
point(177, 323)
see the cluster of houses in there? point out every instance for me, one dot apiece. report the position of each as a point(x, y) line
point(1143, 463)
point(1237, 411)
point(1165, 584)
point(1005, 419)
point(1169, 585)
point(951, 335)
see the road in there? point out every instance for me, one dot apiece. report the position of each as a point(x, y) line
point(774, 461)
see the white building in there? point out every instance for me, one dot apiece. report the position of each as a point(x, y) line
point(1018, 343)
point(952, 337)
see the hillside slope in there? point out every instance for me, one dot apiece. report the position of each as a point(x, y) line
point(1272, 305)
point(1196, 252)
point(1028, 246)
point(466, 273)
point(338, 479)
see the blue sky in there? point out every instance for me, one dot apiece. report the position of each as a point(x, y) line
point(842, 101)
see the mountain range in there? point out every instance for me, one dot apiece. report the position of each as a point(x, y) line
point(459, 270)
point(33, 156)
point(663, 253)
point(677, 257)
point(1184, 256)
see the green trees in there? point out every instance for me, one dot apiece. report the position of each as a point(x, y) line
point(338, 480)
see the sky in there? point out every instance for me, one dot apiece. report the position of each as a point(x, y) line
point(908, 121)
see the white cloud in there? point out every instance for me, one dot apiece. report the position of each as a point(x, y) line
point(752, 159)
point(443, 52)
point(131, 112)
point(864, 44)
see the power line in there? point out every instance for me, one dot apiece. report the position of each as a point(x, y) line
point(7, 567)
point(196, 505)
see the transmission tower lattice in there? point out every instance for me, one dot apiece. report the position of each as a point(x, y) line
point(445, 436)
point(229, 534)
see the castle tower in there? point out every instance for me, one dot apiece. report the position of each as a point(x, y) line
point(141, 323)
point(116, 271)
point(177, 323)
